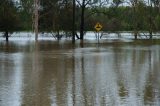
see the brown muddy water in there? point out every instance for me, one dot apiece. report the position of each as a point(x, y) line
point(52, 73)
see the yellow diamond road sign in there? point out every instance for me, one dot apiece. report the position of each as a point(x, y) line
point(98, 26)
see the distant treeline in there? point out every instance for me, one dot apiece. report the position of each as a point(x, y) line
point(56, 15)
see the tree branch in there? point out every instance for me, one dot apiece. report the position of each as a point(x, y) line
point(79, 3)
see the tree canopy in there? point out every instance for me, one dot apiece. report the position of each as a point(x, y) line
point(9, 18)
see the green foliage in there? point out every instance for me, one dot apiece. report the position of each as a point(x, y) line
point(9, 18)
point(157, 20)
point(25, 13)
point(56, 15)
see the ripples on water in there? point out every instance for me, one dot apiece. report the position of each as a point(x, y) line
point(52, 73)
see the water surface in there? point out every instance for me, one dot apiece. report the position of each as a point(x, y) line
point(52, 73)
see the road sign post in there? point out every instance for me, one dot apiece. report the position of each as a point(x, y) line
point(98, 27)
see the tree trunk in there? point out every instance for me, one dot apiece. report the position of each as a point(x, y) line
point(135, 34)
point(73, 23)
point(6, 35)
point(36, 19)
point(82, 22)
point(58, 35)
point(150, 34)
point(81, 44)
point(135, 20)
point(150, 22)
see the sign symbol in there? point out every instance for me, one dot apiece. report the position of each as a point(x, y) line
point(98, 26)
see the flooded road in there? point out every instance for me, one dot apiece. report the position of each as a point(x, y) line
point(52, 73)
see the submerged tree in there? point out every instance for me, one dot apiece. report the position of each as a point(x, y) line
point(137, 16)
point(36, 18)
point(9, 20)
point(56, 17)
point(83, 4)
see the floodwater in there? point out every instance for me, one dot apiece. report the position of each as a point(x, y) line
point(52, 73)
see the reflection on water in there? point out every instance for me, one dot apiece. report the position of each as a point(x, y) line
point(51, 73)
